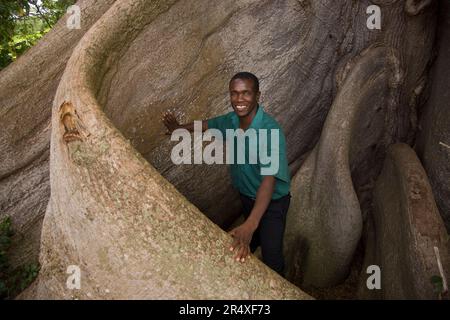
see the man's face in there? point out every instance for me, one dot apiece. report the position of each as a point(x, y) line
point(243, 97)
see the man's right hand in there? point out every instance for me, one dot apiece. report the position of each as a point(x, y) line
point(170, 122)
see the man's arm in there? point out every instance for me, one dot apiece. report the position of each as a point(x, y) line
point(243, 234)
point(171, 123)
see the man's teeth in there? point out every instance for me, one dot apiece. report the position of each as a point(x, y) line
point(240, 107)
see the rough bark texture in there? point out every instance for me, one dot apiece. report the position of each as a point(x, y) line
point(433, 143)
point(294, 55)
point(375, 105)
point(407, 226)
point(312, 58)
point(27, 90)
point(325, 222)
point(111, 213)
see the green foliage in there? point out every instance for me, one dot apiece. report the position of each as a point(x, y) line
point(5, 243)
point(56, 9)
point(12, 282)
point(438, 284)
point(23, 23)
point(11, 11)
point(24, 277)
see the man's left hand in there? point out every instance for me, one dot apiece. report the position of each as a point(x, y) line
point(242, 236)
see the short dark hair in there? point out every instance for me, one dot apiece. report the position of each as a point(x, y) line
point(247, 76)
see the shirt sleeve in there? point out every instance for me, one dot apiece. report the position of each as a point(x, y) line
point(221, 123)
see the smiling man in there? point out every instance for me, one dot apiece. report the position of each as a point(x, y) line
point(264, 194)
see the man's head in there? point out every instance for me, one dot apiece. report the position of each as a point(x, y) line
point(244, 93)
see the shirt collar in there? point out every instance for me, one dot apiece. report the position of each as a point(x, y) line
point(256, 121)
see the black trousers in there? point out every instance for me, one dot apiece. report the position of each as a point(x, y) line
point(270, 231)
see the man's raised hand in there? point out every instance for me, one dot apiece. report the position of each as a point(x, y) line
point(170, 122)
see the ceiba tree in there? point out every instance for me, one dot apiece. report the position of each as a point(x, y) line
point(86, 173)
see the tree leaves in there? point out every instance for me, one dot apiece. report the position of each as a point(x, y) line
point(5, 242)
point(12, 281)
point(23, 23)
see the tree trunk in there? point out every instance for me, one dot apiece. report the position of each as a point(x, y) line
point(27, 90)
point(433, 137)
point(342, 93)
point(112, 214)
point(325, 222)
point(406, 214)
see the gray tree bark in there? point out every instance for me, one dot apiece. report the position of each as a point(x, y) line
point(342, 93)
point(433, 136)
point(27, 90)
point(110, 212)
point(405, 214)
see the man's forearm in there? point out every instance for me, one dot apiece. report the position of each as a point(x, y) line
point(263, 198)
point(190, 126)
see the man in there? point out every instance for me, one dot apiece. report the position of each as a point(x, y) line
point(265, 197)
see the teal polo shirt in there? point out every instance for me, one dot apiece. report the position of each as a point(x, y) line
point(247, 177)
